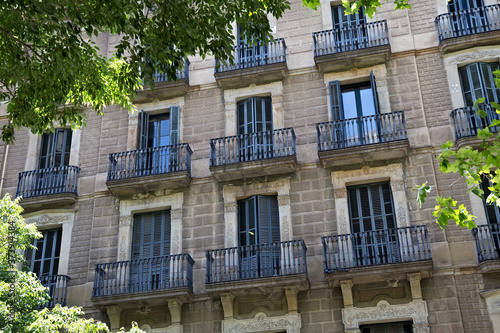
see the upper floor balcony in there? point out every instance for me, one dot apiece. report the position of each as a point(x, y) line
point(380, 137)
point(54, 187)
point(377, 255)
point(149, 169)
point(467, 28)
point(150, 281)
point(253, 155)
point(361, 45)
point(165, 88)
point(262, 266)
point(259, 63)
point(487, 239)
point(466, 123)
point(57, 289)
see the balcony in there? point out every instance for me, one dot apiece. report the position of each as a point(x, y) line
point(487, 239)
point(164, 88)
point(57, 289)
point(147, 281)
point(253, 155)
point(149, 169)
point(467, 28)
point(379, 138)
point(253, 64)
point(246, 269)
point(54, 187)
point(466, 123)
point(377, 255)
point(358, 46)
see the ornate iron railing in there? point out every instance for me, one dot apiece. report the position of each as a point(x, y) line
point(377, 247)
point(181, 74)
point(139, 275)
point(252, 147)
point(58, 289)
point(149, 161)
point(256, 261)
point(360, 131)
point(351, 38)
point(466, 122)
point(48, 181)
point(487, 239)
point(246, 56)
point(468, 22)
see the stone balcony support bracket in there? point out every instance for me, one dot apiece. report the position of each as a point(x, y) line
point(114, 312)
point(346, 286)
point(416, 289)
point(291, 298)
point(227, 304)
point(174, 305)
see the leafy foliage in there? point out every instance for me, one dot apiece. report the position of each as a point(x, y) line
point(473, 164)
point(371, 6)
point(21, 293)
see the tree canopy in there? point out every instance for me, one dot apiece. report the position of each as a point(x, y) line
point(51, 68)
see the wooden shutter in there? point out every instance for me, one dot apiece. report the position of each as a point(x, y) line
point(492, 210)
point(174, 125)
point(269, 229)
point(374, 91)
point(151, 235)
point(371, 207)
point(336, 101)
point(143, 130)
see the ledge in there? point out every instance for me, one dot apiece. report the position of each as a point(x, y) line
point(129, 186)
point(147, 298)
point(264, 285)
point(163, 90)
point(383, 153)
point(60, 200)
point(341, 61)
point(489, 266)
point(267, 167)
point(377, 273)
point(464, 42)
point(239, 78)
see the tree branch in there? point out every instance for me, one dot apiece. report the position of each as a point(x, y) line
point(23, 43)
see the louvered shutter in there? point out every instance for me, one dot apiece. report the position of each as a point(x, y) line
point(248, 255)
point(374, 91)
point(492, 210)
point(269, 233)
point(336, 101)
point(174, 125)
point(44, 261)
point(143, 130)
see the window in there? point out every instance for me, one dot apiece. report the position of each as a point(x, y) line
point(354, 108)
point(467, 16)
point(373, 223)
point(259, 236)
point(150, 243)
point(477, 82)
point(255, 128)
point(405, 327)
point(349, 30)
point(56, 148)
point(251, 52)
point(44, 261)
point(159, 137)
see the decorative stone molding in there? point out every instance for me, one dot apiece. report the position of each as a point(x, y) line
point(401, 214)
point(174, 328)
point(343, 223)
point(176, 240)
point(174, 305)
point(231, 207)
point(474, 56)
point(340, 193)
point(291, 323)
point(285, 229)
point(352, 317)
point(47, 219)
point(125, 221)
point(176, 214)
point(398, 185)
point(283, 200)
point(227, 305)
point(346, 286)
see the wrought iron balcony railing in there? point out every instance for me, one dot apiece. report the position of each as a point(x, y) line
point(377, 247)
point(181, 74)
point(48, 181)
point(252, 147)
point(487, 238)
point(140, 275)
point(150, 161)
point(351, 38)
point(58, 289)
point(256, 261)
point(247, 56)
point(468, 22)
point(466, 122)
point(360, 131)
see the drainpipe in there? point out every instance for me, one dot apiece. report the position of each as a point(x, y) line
point(4, 165)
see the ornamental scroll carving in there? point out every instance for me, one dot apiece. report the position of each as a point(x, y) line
point(125, 221)
point(477, 55)
point(261, 323)
point(340, 193)
point(174, 328)
point(283, 200)
point(176, 214)
point(230, 234)
point(401, 211)
point(398, 185)
point(49, 219)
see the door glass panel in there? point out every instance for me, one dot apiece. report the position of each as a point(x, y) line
point(44, 261)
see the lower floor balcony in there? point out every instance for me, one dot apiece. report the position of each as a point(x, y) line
point(379, 137)
point(151, 281)
point(57, 289)
point(370, 256)
point(54, 187)
point(467, 123)
point(253, 154)
point(487, 239)
point(245, 269)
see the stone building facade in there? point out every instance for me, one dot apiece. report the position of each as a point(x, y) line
point(275, 194)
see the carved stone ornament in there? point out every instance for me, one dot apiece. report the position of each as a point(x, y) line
point(125, 221)
point(174, 328)
point(398, 185)
point(285, 232)
point(230, 234)
point(261, 323)
point(49, 219)
point(474, 56)
point(176, 214)
point(401, 211)
point(175, 242)
point(340, 193)
point(343, 224)
point(230, 207)
point(123, 247)
point(383, 312)
point(283, 200)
